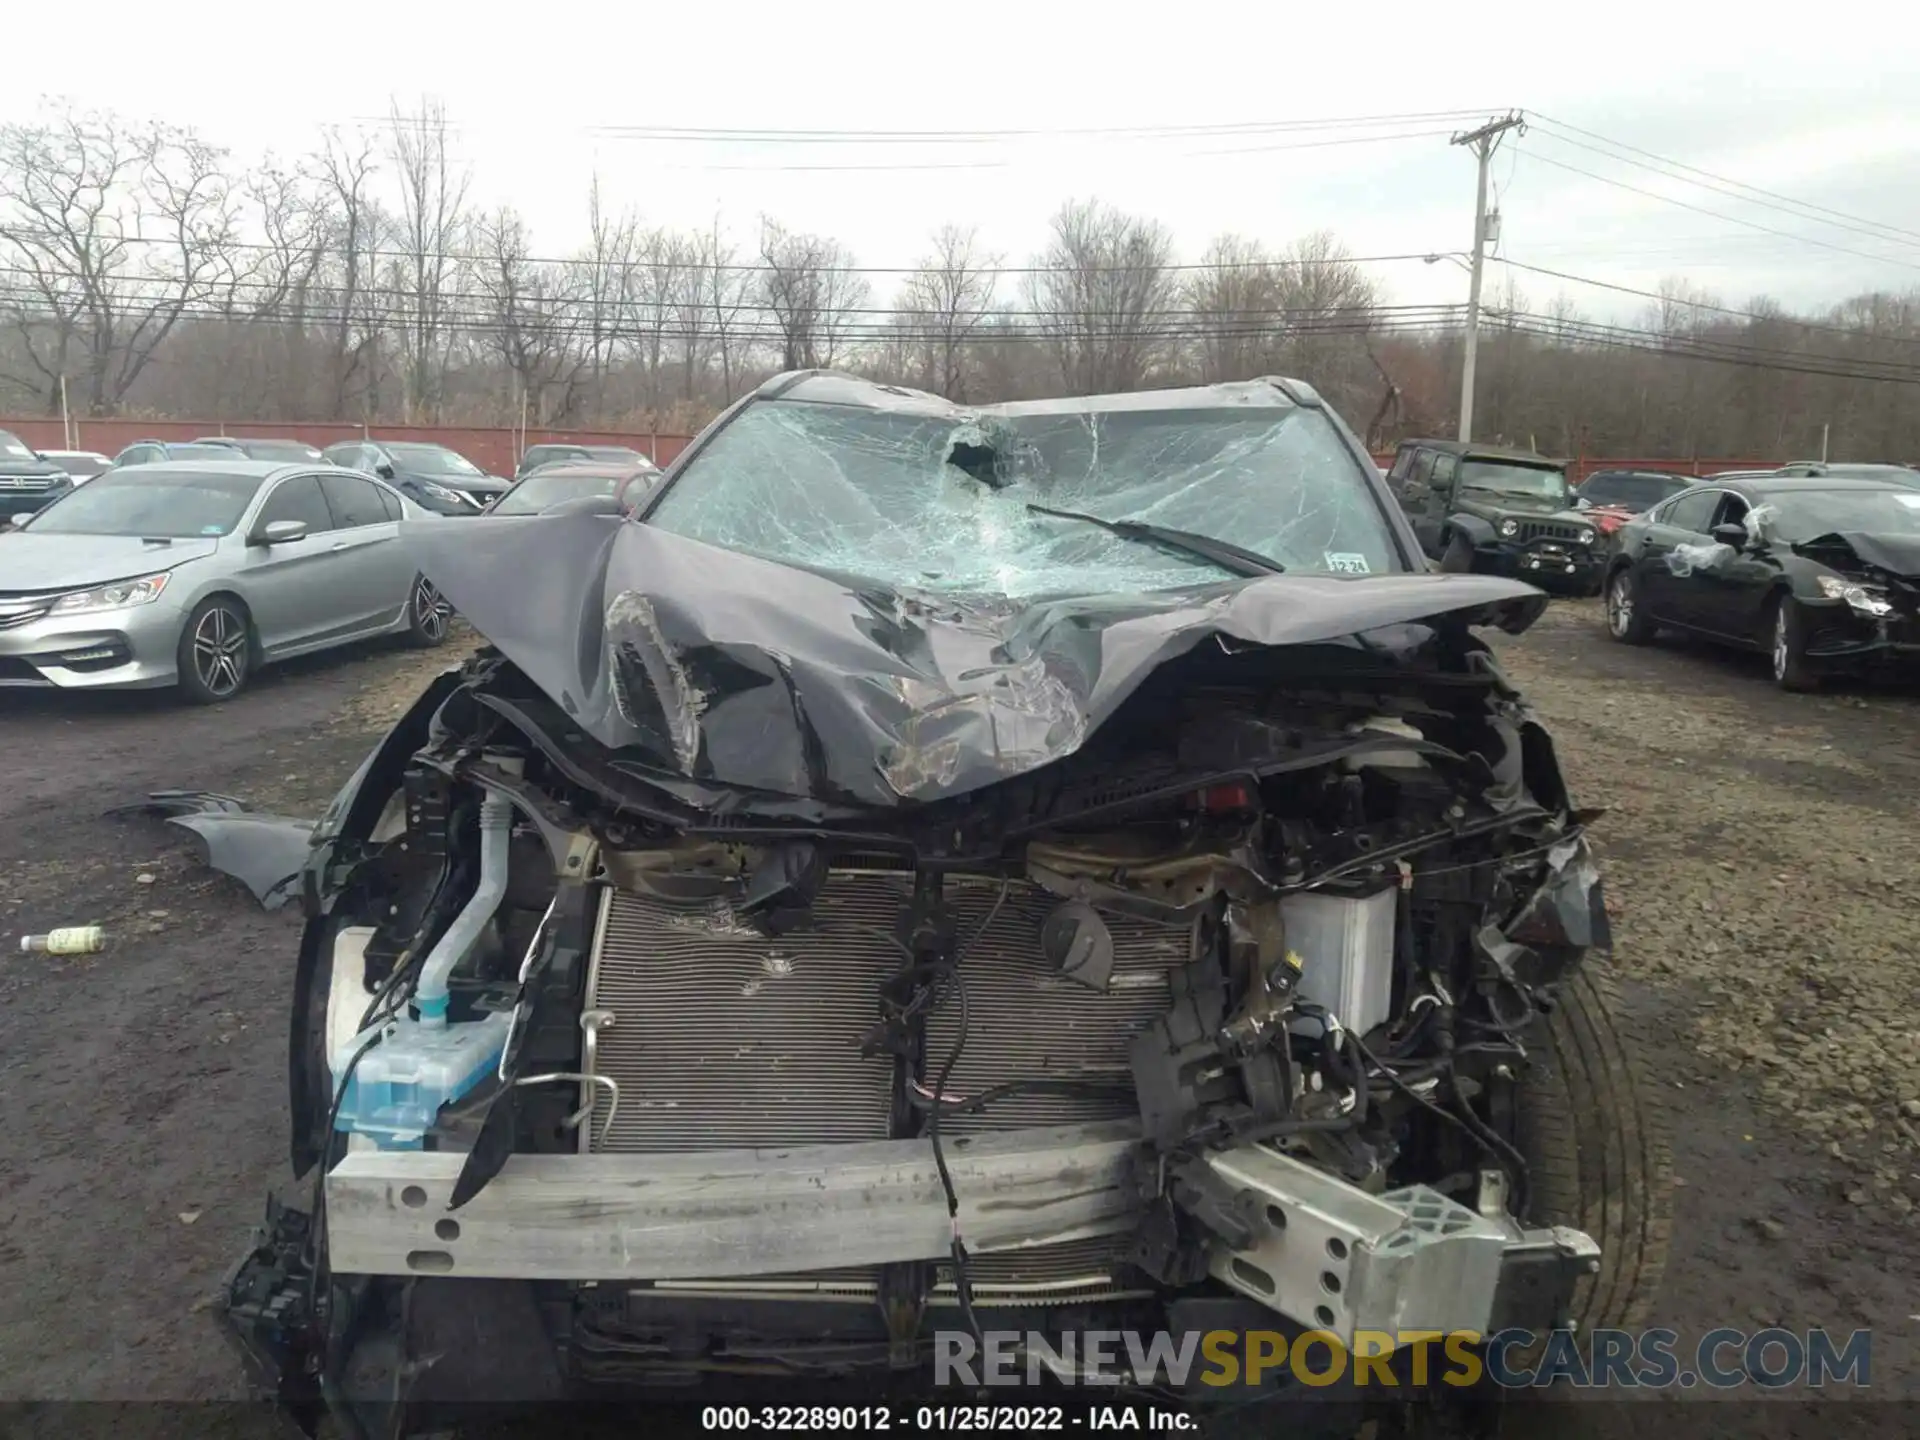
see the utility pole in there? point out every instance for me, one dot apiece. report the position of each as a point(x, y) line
point(1483, 142)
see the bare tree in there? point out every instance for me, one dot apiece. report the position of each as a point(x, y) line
point(688, 300)
point(604, 279)
point(529, 317)
point(946, 299)
point(810, 290)
point(115, 231)
point(1234, 303)
point(649, 307)
point(728, 299)
point(1102, 296)
point(346, 169)
point(1327, 306)
point(432, 216)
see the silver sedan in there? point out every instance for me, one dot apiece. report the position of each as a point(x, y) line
point(195, 573)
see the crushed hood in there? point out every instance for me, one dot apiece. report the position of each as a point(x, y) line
point(699, 662)
point(1896, 554)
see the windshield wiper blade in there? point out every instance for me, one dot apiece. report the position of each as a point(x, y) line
point(1224, 553)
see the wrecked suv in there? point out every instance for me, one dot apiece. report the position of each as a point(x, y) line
point(1044, 866)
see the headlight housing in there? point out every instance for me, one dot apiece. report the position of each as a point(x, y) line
point(1583, 537)
point(441, 492)
point(1509, 529)
point(120, 595)
point(1861, 599)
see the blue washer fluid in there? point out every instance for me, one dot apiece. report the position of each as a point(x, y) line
point(396, 1091)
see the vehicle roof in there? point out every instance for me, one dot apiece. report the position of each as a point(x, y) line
point(1473, 451)
point(833, 387)
point(1788, 484)
point(250, 439)
point(263, 469)
point(1858, 467)
point(591, 470)
point(1642, 474)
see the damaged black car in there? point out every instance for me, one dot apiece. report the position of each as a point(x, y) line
point(1821, 574)
point(1035, 867)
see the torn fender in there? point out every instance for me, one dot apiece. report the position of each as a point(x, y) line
point(693, 661)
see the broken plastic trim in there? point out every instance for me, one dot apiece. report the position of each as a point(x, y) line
point(263, 852)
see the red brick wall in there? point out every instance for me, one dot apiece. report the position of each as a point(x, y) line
point(492, 449)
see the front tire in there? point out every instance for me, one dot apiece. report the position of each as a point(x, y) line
point(1597, 1149)
point(1791, 669)
point(215, 655)
point(1627, 619)
point(429, 617)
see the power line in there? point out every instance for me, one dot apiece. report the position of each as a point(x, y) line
point(1645, 343)
point(1870, 233)
point(1851, 221)
point(784, 135)
point(1011, 164)
point(1535, 157)
point(1174, 326)
point(1751, 316)
point(470, 257)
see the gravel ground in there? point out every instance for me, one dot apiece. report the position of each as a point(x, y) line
point(1760, 851)
point(1762, 856)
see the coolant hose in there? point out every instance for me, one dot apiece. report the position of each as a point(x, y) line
point(496, 827)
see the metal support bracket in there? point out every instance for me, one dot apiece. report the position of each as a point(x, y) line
point(1334, 1257)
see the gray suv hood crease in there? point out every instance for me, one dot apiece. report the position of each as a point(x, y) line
point(704, 663)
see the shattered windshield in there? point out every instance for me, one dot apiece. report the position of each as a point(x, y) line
point(1528, 480)
point(931, 502)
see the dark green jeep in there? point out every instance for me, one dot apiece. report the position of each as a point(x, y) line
point(1497, 511)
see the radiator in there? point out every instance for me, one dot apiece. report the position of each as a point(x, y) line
point(724, 1038)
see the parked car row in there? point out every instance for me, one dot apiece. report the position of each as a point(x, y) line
point(192, 564)
point(1493, 509)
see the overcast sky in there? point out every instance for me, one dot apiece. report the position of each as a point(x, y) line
point(1821, 106)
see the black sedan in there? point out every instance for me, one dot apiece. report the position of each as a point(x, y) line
point(621, 486)
point(1821, 573)
point(432, 476)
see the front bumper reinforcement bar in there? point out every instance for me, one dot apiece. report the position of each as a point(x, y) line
point(718, 1215)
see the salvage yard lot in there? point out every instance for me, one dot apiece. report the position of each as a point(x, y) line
point(1762, 854)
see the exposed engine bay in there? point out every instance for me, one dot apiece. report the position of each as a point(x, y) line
point(758, 969)
point(1250, 978)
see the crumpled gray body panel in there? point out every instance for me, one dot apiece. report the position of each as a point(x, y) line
point(701, 662)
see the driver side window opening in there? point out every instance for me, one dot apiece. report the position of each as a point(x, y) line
point(1692, 511)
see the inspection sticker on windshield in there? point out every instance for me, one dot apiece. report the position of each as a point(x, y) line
point(1345, 562)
